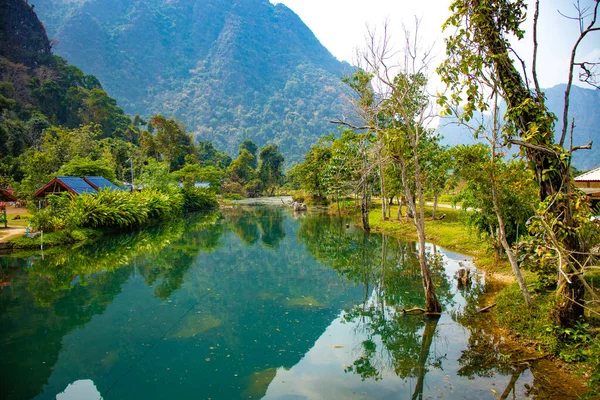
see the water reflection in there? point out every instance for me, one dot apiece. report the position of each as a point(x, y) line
point(240, 305)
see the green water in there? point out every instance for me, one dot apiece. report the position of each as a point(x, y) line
point(246, 304)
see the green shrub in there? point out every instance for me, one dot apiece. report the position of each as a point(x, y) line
point(233, 196)
point(114, 209)
point(198, 199)
point(57, 215)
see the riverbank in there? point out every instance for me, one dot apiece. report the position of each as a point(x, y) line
point(525, 332)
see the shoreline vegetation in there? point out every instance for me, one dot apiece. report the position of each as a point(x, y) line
point(68, 220)
point(527, 332)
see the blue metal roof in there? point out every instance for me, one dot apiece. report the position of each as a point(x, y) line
point(76, 184)
point(102, 183)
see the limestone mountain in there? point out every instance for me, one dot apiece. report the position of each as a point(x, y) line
point(229, 69)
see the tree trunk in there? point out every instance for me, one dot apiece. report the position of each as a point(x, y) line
point(364, 208)
point(508, 250)
point(399, 209)
point(543, 157)
point(435, 204)
point(382, 186)
point(432, 304)
point(366, 196)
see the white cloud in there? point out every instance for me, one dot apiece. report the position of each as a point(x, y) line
point(340, 25)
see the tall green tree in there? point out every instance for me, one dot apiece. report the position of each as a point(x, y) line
point(170, 141)
point(252, 148)
point(240, 170)
point(311, 171)
point(396, 118)
point(271, 168)
point(79, 166)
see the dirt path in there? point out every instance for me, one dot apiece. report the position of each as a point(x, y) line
point(10, 232)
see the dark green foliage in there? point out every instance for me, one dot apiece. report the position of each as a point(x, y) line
point(208, 155)
point(252, 148)
point(311, 172)
point(271, 168)
point(514, 184)
point(87, 167)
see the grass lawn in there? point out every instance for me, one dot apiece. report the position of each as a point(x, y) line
point(449, 232)
point(23, 221)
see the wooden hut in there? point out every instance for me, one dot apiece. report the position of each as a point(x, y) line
point(6, 195)
point(60, 184)
point(589, 183)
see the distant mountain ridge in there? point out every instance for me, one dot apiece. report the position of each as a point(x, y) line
point(229, 69)
point(584, 106)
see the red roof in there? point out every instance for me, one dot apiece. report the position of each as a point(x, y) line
point(6, 195)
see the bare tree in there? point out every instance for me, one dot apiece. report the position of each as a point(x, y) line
point(398, 112)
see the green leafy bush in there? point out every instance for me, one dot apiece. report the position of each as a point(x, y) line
point(57, 215)
point(198, 199)
point(113, 209)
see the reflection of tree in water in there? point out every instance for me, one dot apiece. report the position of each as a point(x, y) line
point(257, 223)
point(271, 226)
point(483, 358)
point(389, 272)
point(51, 277)
point(35, 337)
point(166, 269)
point(245, 225)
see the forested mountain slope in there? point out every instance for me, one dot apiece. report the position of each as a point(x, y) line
point(229, 69)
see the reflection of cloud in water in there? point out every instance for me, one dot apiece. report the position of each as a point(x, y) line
point(320, 373)
point(80, 390)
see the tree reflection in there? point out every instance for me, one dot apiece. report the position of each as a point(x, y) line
point(271, 226)
point(256, 223)
point(171, 249)
point(389, 272)
point(484, 358)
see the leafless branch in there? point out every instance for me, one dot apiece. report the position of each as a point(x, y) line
point(533, 146)
point(348, 124)
point(582, 13)
point(586, 147)
point(535, 49)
